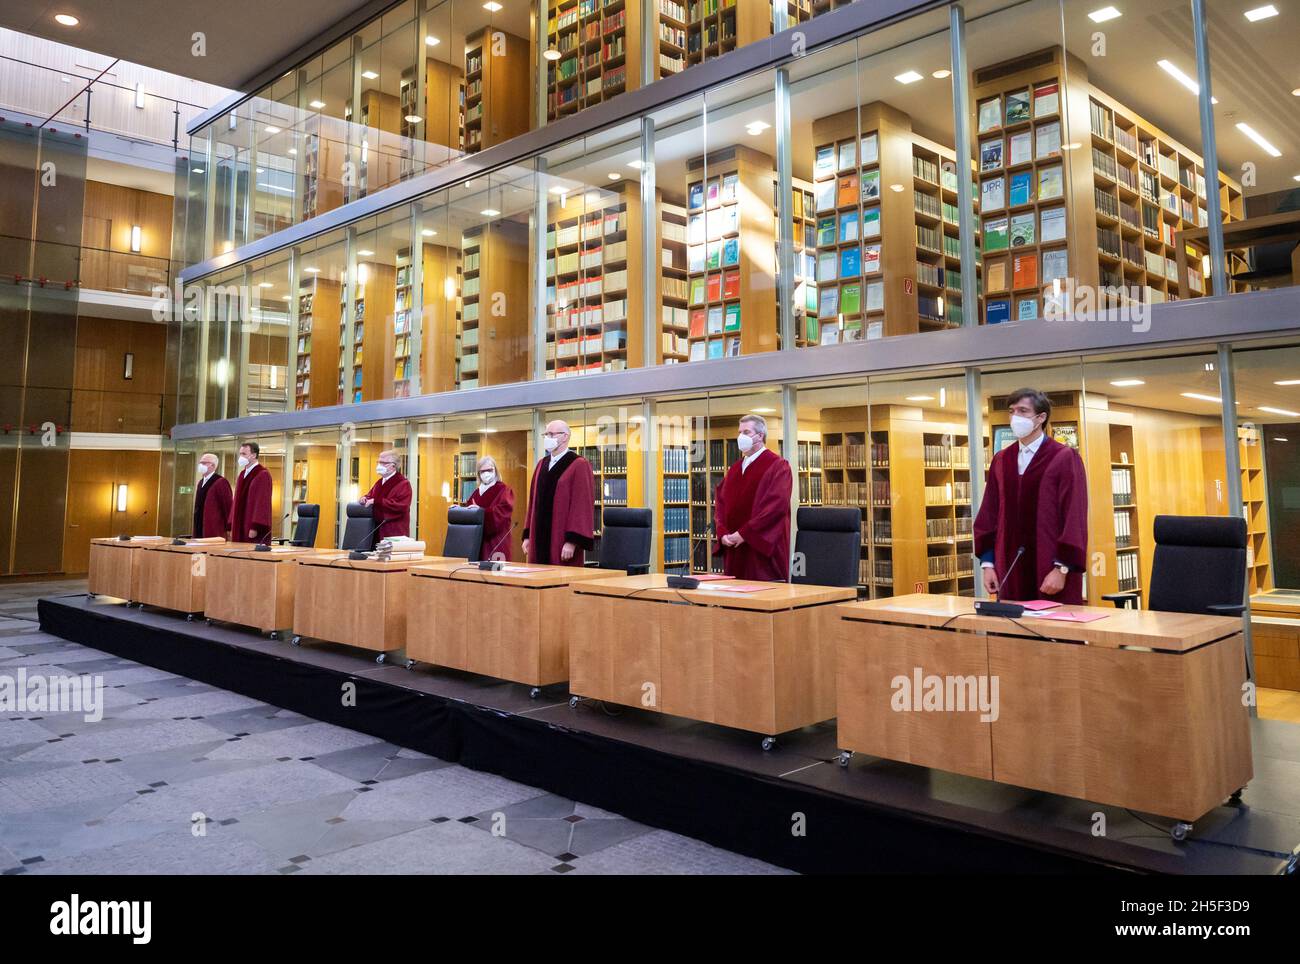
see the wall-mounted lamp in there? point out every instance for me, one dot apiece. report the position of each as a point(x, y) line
point(121, 497)
point(135, 238)
point(128, 365)
point(139, 96)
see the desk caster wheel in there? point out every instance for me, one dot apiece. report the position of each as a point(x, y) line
point(381, 658)
point(845, 757)
point(296, 641)
point(574, 701)
point(189, 617)
point(208, 621)
point(275, 634)
point(410, 664)
point(1180, 830)
point(1236, 795)
point(534, 693)
point(768, 743)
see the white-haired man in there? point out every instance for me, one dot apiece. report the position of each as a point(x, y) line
point(752, 509)
point(390, 498)
point(212, 501)
point(561, 503)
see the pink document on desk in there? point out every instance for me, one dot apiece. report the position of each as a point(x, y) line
point(1068, 617)
point(1038, 605)
point(711, 577)
point(745, 587)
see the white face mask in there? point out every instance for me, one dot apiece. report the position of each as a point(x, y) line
point(243, 462)
point(550, 443)
point(1022, 426)
point(204, 468)
point(383, 470)
point(486, 477)
point(745, 443)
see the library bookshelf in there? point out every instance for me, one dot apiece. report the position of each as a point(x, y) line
point(317, 350)
point(496, 75)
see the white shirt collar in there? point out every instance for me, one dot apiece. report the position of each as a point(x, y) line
point(483, 487)
point(1032, 447)
point(557, 455)
point(744, 463)
point(248, 468)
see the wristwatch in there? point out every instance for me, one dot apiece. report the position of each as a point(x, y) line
point(1063, 569)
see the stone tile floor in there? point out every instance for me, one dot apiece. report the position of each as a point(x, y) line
point(182, 777)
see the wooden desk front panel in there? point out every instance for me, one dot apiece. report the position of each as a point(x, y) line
point(870, 657)
point(113, 571)
point(358, 607)
point(1156, 732)
point(614, 650)
point(435, 622)
point(172, 580)
point(251, 592)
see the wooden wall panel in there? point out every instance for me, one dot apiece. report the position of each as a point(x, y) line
point(93, 475)
point(103, 400)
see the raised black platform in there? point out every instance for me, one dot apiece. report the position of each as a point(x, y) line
point(709, 782)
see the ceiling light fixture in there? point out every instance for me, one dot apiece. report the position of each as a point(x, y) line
point(942, 74)
point(369, 75)
point(199, 170)
point(613, 175)
point(293, 150)
point(756, 127)
point(1279, 411)
point(265, 284)
point(271, 129)
point(316, 104)
point(413, 118)
point(911, 77)
point(428, 232)
point(1196, 396)
point(920, 398)
point(1104, 14)
point(1261, 13)
point(492, 6)
point(67, 19)
point(431, 40)
point(1127, 382)
point(1182, 78)
point(1255, 136)
point(552, 54)
point(366, 253)
point(312, 270)
point(490, 213)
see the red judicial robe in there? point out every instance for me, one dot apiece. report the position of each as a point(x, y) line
point(1045, 510)
point(756, 503)
point(251, 511)
point(392, 508)
point(212, 502)
point(561, 504)
point(498, 504)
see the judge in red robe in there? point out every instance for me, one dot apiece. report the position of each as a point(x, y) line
point(561, 503)
point(212, 501)
point(498, 504)
point(752, 509)
point(389, 499)
point(250, 514)
point(1035, 497)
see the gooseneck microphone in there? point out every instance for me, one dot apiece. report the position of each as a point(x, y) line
point(987, 607)
point(124, 536)
point(359, 555)
point(496, 565)
point(265, 547)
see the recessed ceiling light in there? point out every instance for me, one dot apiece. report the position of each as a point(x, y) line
point(911, 77)
point(1279, 411)
point(199, 170)
point(428, 232)
point(312, 270)
point(369, 74)
point(1104, 14)
point(1203, 398)
point(1255, 136)
point(1296, 92)
point(293, 150)
point(613, 175)
point(413, 118)
point(67, 19)
point(316, 104)
point(920, 398)
point(1261, 13)
point(635, 165)
point(271, 129)
point(66, 79)
point(552, 54)
point(896, 188)
point(559, 189)
point(492, 6)
point(1127, 382)
point(1073, 146)
point(1279, 440)
point(1182, 78)
point(431, 40)
point(366, 253)
point(265, 284)
point(942, 74)
point(764, 411)
point(490, 213)
point(757, 127)
point(1296, 177)
point(1288, 381)
point(261, 170)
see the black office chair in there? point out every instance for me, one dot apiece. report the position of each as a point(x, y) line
point(359, 531)
point(304, 529)
point(464, 532)
point(625, 540)
point(1199, 566)
point(828, 543)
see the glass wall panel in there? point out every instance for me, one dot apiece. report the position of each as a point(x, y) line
point(322, 337)
point(1257, 134)
point(231, 175)
point(382, 306)
point(314, 479)
point(264, 383)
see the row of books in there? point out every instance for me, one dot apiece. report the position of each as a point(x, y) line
point(884, 570)
point(721, 253)
point(949, 567)
point(1018, 106)
point(849, 299)
point(846, 156)
point(810, 489)
point(1025, 229)
point(948, 528)
point(874, 493)
point(1021, 148)
point(948, 492)
point(850, 190)
point(714, 320)
point(613, 490)
point(676, 459)
point(943, 456)
point(712, 225)
point(677, 549)
point(1123, 529)
point(611, 339)
point(590, 227)
point(810, 456)
point(676, 489)
point(848, 226)
point(853, 455)
point(1121, 485)
point(715, 348)
point(718, 190)
point(707, 289)
point(1128, 570)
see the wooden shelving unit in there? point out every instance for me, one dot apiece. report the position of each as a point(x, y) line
point(381, 120)
point(717, 27)
point(887, 246)
point(810, 471)
point(1078, 191)
point(444, 112)
point(492, 330)
point(730, 257)
point(496, 77)
point(403, 315)
point(599, 46)
point(324, 151)
point(318, 356)
point(1254, 496)
point(1124, 491)
point(674, 343)
point(675, 490)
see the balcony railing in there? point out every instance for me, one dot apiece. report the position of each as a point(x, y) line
point(55, 264)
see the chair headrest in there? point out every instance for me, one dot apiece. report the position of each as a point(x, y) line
point(358, 511)
point(829, 519)
point(629, 518)
point(465, 515)
point(1228, 532)
point(308, 510)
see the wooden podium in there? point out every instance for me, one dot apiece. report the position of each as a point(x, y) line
point(252, 588)
point(762, 662)
point(115, 566)
point(1138, 709)
point(358, 603)
point(175, 577)
point(513, 624)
